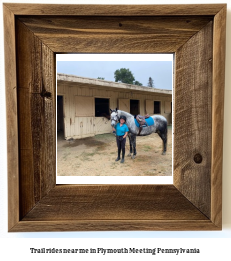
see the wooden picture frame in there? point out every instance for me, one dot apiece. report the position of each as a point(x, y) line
point(33, 34)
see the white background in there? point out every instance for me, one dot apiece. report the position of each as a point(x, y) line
point(211, 244)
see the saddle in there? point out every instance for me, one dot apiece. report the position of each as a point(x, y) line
point(142, 121)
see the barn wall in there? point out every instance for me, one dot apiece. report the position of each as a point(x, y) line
point(80, 125)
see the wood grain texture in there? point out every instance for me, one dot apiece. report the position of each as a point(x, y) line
point(114, 207)
point(114, 225)
point(11, 115)
point(108, 202)
point(35, 66)
point(193, 113)
point(115, 34)
point(115, 10)
point(194, 201)
point(218, 115)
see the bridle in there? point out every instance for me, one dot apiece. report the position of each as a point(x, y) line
point(115, 116)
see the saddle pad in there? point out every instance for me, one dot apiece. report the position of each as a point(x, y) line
point(149, 121)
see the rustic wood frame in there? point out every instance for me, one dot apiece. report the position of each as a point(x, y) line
point(33, 34)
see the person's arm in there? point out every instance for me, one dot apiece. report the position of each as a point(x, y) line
point(125, 135)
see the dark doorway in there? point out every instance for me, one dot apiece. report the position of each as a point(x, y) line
point(156, 107)
point(102, 107)
point(60, 119)
point(134, 107)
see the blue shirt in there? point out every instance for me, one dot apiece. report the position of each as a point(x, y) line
point(121, 130)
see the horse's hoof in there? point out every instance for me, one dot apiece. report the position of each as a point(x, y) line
point(164, 153)
point(133, 156)
point(129, 155)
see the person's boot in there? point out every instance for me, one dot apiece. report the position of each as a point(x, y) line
point(118, 158)
point(123, 153)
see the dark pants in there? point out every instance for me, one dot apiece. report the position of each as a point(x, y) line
point(120, 142)
point(121, 146)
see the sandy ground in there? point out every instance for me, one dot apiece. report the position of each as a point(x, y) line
point(95, 156)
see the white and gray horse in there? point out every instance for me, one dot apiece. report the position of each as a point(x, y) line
point(160, 126)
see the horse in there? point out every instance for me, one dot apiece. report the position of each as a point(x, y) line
point(160, 127)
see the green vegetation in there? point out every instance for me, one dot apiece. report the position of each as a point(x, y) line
point(125, 76)
point(151, 82)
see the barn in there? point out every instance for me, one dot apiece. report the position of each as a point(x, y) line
point(83, 104)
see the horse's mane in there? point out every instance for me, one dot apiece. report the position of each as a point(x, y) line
point(125, 113)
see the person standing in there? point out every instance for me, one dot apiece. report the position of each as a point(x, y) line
point(121, 130)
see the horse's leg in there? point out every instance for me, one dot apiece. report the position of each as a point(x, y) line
point(133, 142)
point(163, 135)
point(130, 143)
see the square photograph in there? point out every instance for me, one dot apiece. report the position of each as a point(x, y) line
point(114, 115)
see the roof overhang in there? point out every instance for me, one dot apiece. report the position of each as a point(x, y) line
point(72, 80)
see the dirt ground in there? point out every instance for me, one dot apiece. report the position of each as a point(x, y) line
point(95, 156)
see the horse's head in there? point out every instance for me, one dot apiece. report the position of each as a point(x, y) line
point(114, 117)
